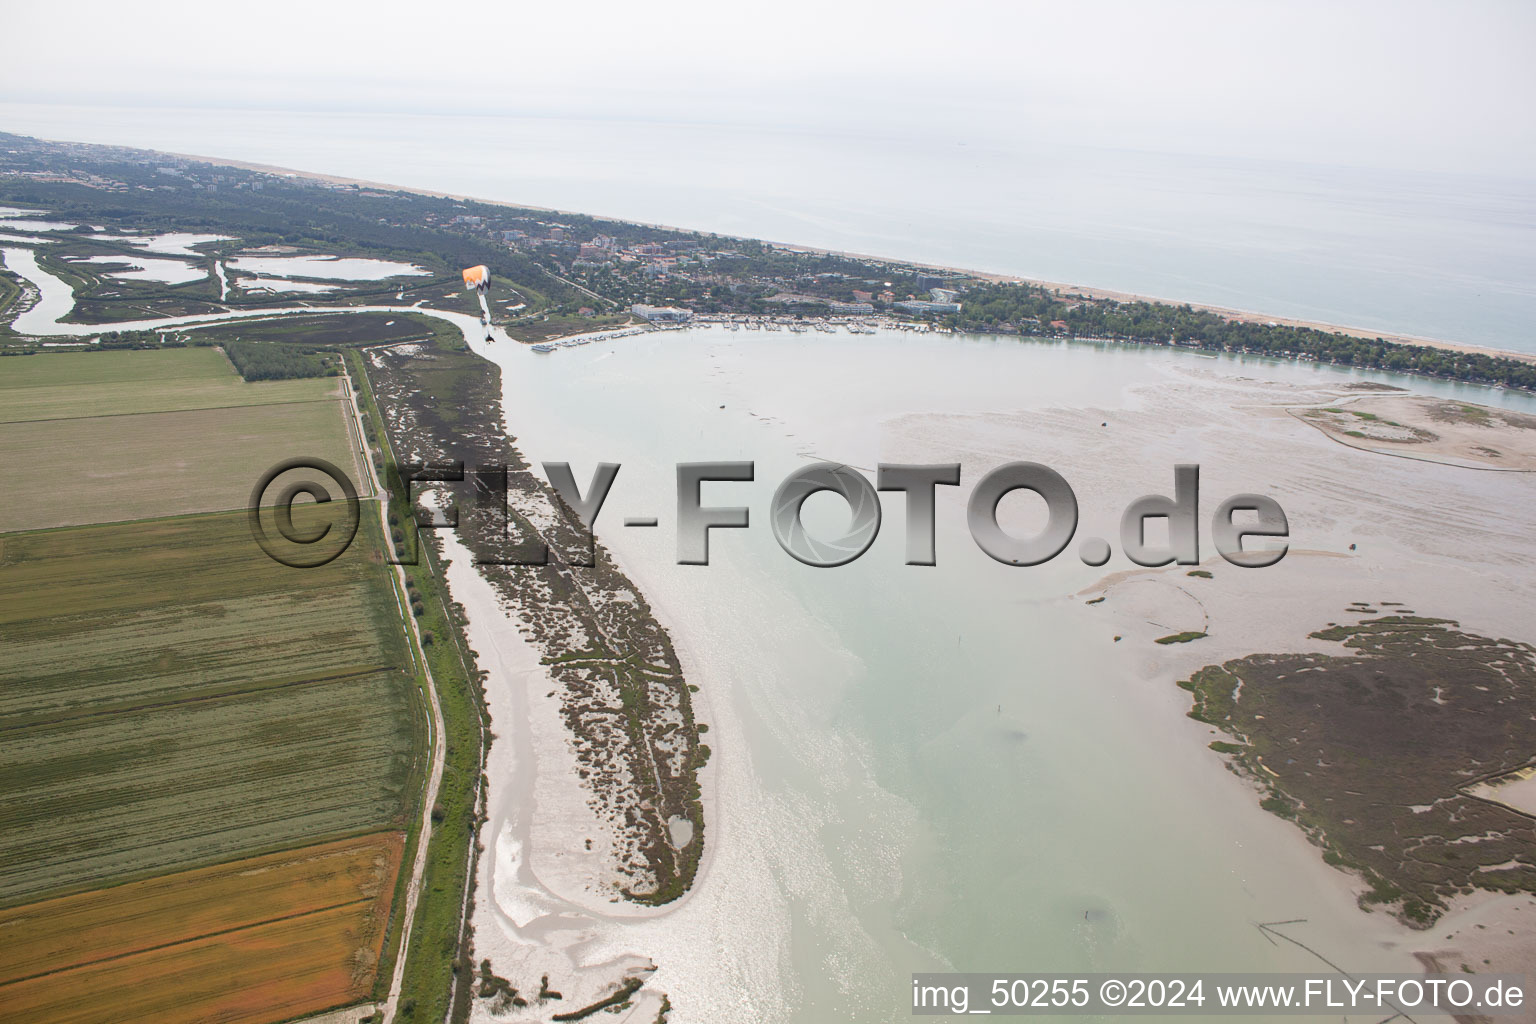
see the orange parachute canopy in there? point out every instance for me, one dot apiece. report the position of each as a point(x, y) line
point(476, 277)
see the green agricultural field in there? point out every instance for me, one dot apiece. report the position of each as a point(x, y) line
point(51, 369)
point(113, 436)
point(176, 608)
point(81, 384)
point(116, 468)
point(169, 696)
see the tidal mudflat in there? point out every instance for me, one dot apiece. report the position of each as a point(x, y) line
point(949, 766)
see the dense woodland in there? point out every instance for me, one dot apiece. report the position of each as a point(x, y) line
point(1031, 309)
point(265, 361)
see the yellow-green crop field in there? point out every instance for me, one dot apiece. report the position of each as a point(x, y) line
point(67, 386)
point(92, 437)
point(170, 696)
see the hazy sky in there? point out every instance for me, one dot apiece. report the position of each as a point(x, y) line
point(1443, 86)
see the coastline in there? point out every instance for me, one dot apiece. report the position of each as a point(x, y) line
point(531, 917)
point(1059, 287)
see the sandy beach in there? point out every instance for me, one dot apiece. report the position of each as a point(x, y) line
point(544, 852)
point(541, 905)
point(1430, 429)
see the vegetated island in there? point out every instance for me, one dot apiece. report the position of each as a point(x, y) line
point(563, 273)
point(1430, 429)
point(623, 695)
point(1392, 760)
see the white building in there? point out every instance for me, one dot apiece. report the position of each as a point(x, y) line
point(919, 306)
point(661, 314)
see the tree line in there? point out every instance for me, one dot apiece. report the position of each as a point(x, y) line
point(266, 361)
point(1030, 309)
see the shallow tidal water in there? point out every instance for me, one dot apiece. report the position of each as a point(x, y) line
point(918, 768)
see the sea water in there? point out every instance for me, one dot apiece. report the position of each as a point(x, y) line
point(1434, 255)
